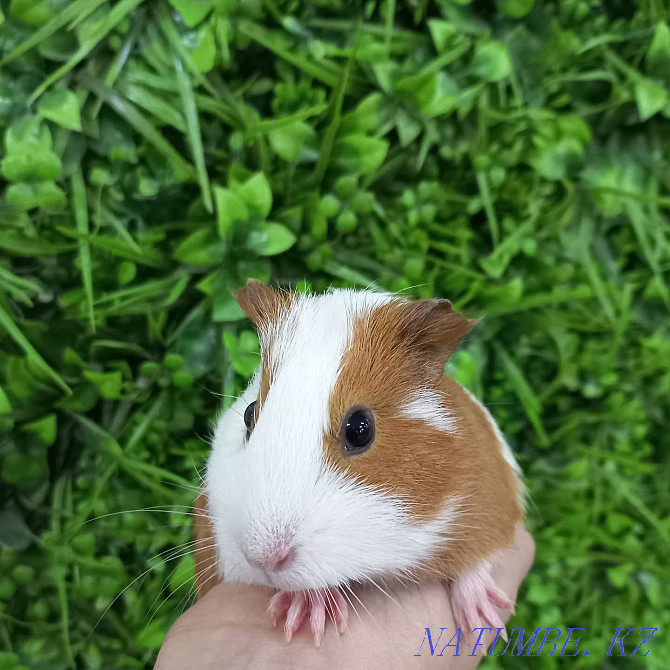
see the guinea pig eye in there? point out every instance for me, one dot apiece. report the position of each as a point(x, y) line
point(358, 431)
point(249, 416)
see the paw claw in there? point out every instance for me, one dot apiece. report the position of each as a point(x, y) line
point(315, 603)
point(279, 604)
point(317, 619)
point(475, 597)
point(499, 599)
point(339, 610)
point(295, 615)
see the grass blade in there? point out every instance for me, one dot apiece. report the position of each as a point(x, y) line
point(336, 115)
point(115, 16)
point(17, 286)
point(592, 271)
point(119, 61)
point(390, 13)
point(145, 255)
point(105, 216)
point(79, 9)
point(530, 402)
point(169, 30)
point(328, 73)
point(81, 217)
point(143, 126)
point(155, 105)
point(491, 217)
point(8, 324)
point(193, 133)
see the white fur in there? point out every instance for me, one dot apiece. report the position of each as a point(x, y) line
point(426, 405)
point(278, 488)
point(505, 448)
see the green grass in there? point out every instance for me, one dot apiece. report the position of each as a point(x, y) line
point(512, 155)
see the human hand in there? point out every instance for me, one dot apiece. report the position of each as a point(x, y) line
point(230, 627)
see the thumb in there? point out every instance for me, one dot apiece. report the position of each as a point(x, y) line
point(512, 565)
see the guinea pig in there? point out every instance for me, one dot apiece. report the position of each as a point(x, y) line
point(351, 457)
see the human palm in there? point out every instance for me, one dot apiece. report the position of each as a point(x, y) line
point(230, 627)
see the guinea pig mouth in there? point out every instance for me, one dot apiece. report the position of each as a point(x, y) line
point(290, 581)
point(285, 582)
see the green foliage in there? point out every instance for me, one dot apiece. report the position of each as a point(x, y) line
point(512, 155)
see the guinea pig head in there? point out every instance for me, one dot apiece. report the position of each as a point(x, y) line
point(334, 465)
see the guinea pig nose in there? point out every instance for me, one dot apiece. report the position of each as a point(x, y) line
point(277, 558)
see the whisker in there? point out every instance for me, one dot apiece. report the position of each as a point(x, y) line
point(374, 620)
point(359, 600)
point(346, 597)
point(191, 545)
point(155, 509)
point(214, 575)
point(70, 531)
point(388, 595)
point(195, 467)
point(164, 585)
point(216, 394)
point(207, 440)
point(190, 488)
point(146, 572)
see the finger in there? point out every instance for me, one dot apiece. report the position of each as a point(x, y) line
point(509, 569)
point(512, 565)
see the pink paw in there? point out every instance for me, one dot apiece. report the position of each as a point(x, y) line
point(474, 596)
point(315, 602)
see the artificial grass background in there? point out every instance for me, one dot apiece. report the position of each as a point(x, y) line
point(511, 155)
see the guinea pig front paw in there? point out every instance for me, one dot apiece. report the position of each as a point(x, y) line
point(296, 605)
point(474, 597)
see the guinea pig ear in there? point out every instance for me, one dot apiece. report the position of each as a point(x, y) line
point(434, 329)
point(261, 303)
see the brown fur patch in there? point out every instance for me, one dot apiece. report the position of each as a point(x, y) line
point(397, 349)
point(204, 554)
point(266, 381)
point(489, 486)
